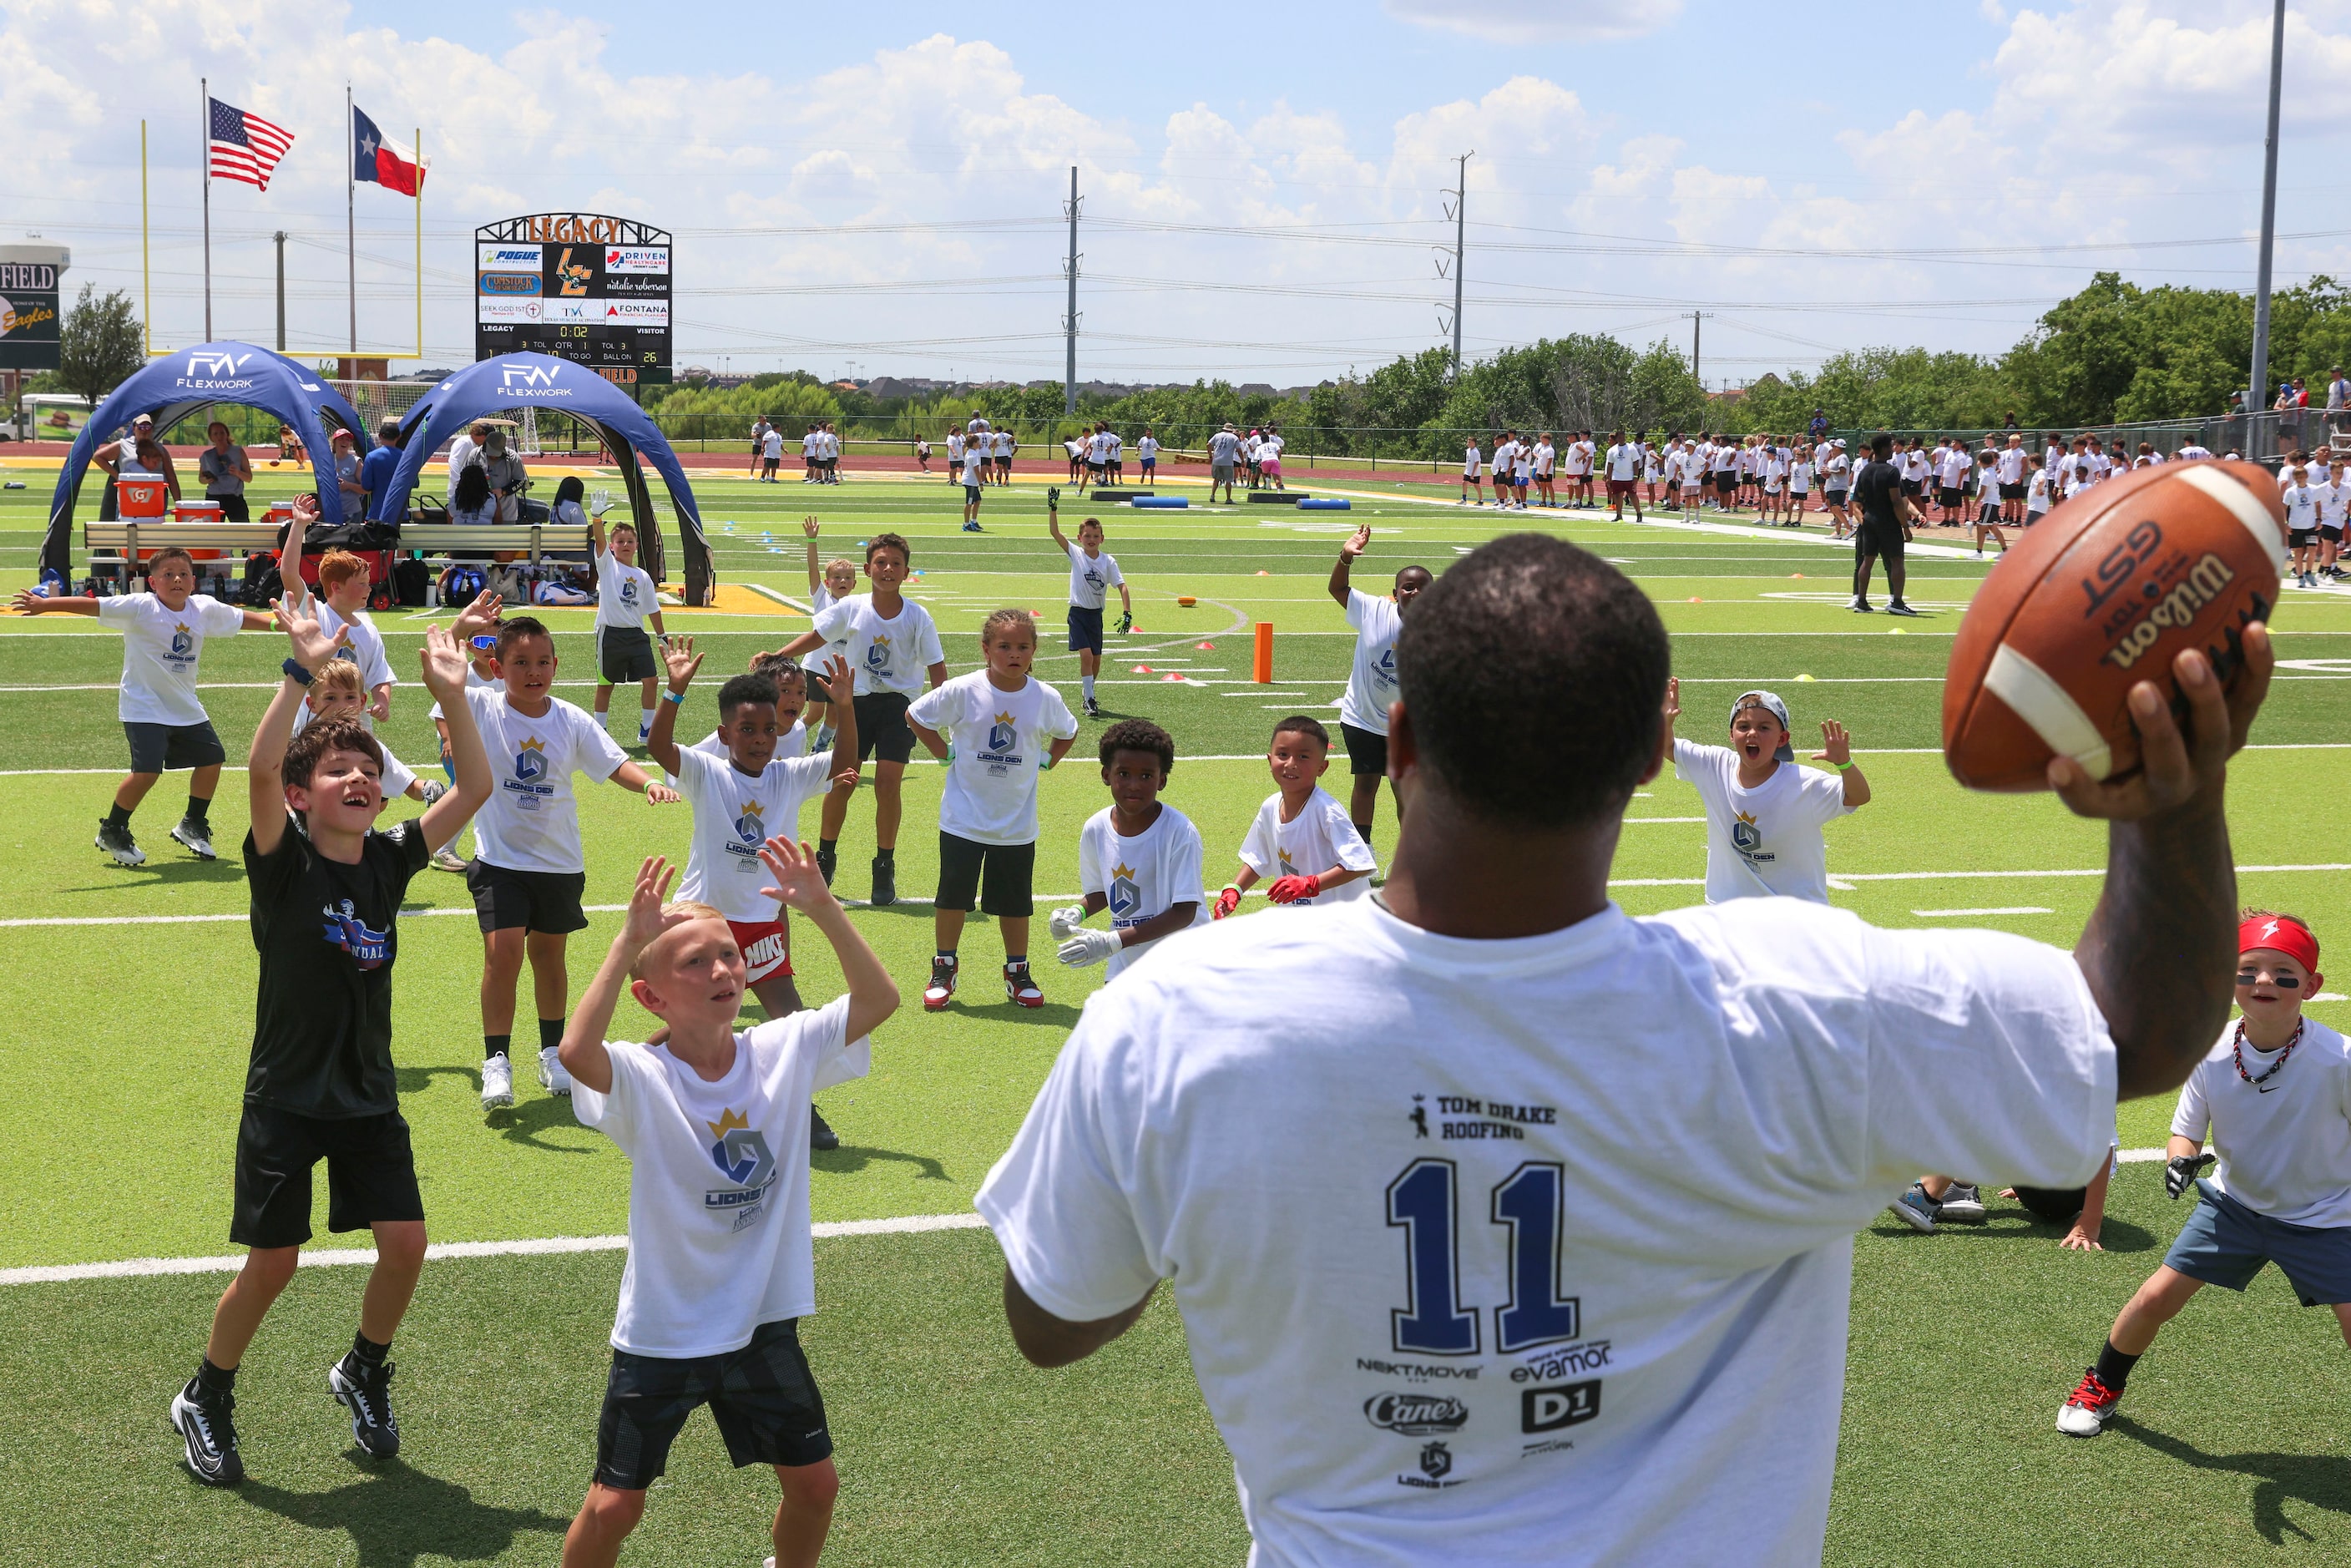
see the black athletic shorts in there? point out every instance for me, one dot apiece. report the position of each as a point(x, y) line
point(625, 654)
point(2296, 539)
point(1004, 876)
point(371, 1173)
point(1912, 487)
point(160, 747)
point(1367, 753)
point(970, 495)
point(883, 732)
point(545, 901)
point(1086, 628)
point(763, 1397)
point(1833, 498)
point(2331, 532)
point(1948, 496)
point(1882, 541)
point(1724, 484)
point(2012, 492)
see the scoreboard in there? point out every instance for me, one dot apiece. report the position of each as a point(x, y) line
point(591, 289)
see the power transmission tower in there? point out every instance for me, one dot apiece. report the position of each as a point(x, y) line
point(1069, 320)
point(1457, 209)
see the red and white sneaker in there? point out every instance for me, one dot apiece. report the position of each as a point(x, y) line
point(2088, 1408)
point(1021, 985)
point(941, 990)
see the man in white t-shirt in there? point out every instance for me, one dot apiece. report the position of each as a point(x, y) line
point(1611, 1168)
point(721, 1267)
point(1623, 475)
point(955, 457)
point(1763, 813)
point(1377, 620)
point(529, 870)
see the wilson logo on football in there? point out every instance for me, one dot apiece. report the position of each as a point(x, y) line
point(2205, 582)
point(1415, 1414)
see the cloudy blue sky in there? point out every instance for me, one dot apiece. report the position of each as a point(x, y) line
point(878, 187)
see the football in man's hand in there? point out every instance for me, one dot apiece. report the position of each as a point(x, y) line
point(2104, 592)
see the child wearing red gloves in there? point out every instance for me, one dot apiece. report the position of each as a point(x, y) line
point(1303, 836)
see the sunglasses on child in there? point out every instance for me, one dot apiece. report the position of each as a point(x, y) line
point(2283, 982)
point(482, 640)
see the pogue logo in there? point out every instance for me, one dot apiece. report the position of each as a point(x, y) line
point(531, 762)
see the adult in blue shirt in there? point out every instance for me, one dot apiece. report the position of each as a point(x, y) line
point(375, 471)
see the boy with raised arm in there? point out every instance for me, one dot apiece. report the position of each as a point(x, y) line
point(1138, 857)
point(325, 894)
point(2274, 1095)
point(1301, 838)
point(741, 794)
point(528, 868)
point(829, 584)
point(1371, 683)
point(721, 1269)
point(997, 729)
point(1763, 813)
point(894, 647)
point(1092, 574)
point(163, 632)
point(626, 599)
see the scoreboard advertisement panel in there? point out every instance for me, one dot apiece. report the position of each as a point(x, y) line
point(594, 290)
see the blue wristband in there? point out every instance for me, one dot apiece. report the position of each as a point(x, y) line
point(677, 698)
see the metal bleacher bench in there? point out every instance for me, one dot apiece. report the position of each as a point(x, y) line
point(113, 544)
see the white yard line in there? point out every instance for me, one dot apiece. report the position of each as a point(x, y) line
point(443, 1251)
point(1970, 913)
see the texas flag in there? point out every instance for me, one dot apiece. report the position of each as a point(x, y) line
point(385, 163)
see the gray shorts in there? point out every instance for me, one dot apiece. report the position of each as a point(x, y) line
point(1220, 474)
point(2226, 1244)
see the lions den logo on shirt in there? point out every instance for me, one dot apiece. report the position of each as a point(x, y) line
point(369, 948)
point(877, 654)
point(1748, 839)
point(742, 1157)
point(1001, 751)
point(1125, 895)
point(530, 773)
point(183, 643)
point(750, 832)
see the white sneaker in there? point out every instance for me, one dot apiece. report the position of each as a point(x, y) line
point(551, 1076)
point(497, 1083)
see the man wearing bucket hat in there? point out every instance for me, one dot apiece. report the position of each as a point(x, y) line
point(1763, 813)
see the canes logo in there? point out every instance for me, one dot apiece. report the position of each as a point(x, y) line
point(740, 1153)
point(530, 760)
point(369, 948)
point(1125, 894)
point(1415, 1414)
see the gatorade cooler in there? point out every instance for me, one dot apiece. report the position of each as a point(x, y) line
point(198, 511)
point(141, 500)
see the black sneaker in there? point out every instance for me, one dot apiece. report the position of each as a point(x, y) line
point(1861, 606)
point(825, 860)
point(1897, 608)
point(205, 1422)
point(1094, 708)
point(118, 842)
point(820, 1133)
point(885, 882)
point(365, 1392)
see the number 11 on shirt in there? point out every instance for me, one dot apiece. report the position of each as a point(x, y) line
point(1529, 1204)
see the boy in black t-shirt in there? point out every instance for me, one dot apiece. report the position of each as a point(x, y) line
point(326, 891)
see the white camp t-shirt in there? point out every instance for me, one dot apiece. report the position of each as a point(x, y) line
point(161, 647)
point(890, 653)
point(1147, 448)
point(718, 1189)
point(1623, 461)
point(2331, 499)
point(2284, 1145)
point(2192, 453)
point(475, 682)
point(2036, 492)
point(531, 821)
point(975, 459)
point(624, 594)
point(955, 446)
point(2302, 508)
point(1319, 838)
point(820, 600)
point(733, 814)
point(1141, 876)
point(1506, 458)
point(1764, 841)
point(1000, 739)
point(1372, 684)
point(1092, 577)
point(1675, 1124)
point(366, 646)
point(2012, 465)
point(793, 742)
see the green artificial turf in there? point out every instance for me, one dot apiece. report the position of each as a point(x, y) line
point(128, 1031)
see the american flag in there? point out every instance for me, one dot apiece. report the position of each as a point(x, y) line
point(244, 146)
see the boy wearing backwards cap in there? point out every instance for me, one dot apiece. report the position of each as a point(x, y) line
point(2276, 1094)
point(1764, 819)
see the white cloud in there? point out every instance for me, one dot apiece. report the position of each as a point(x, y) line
point(1538, 21)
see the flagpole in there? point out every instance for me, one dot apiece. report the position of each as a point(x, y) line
point(351, 218)
point(146, 268)
point(419, 148)
point(205, 168)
